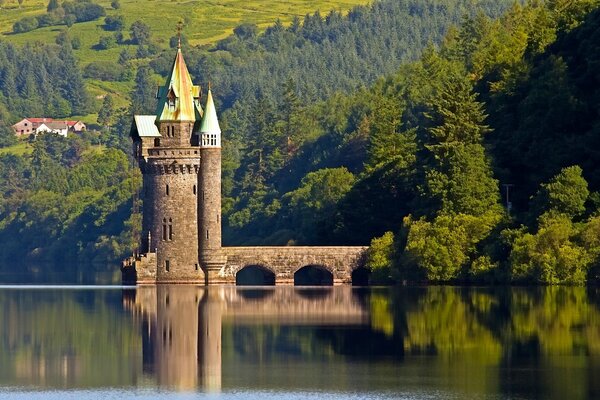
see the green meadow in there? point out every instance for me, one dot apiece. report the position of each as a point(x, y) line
point(205, 22)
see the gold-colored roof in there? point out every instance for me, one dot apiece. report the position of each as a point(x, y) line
point(179, 99)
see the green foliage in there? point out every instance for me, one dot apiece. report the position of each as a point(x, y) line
point(103, 70)
point(26, 24)
point(106, 113)
point(66, 13)
point(67, 204)
point(380, 258)
point(553, 255)
point(114, 23)
point(106, 42)
point(458, 174)
point(53, 5)
point(140, 33)
point(444, 249)
point(565, 194)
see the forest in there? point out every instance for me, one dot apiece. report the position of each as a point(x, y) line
point(460, 145)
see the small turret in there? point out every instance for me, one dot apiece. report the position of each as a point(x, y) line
point(209, 183)
point(210, 131)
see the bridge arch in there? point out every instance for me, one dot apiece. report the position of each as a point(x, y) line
point(313, 275)
point(254, 275)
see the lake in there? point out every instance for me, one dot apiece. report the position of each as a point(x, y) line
point(436, 342)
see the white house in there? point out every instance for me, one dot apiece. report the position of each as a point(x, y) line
point(54, 127)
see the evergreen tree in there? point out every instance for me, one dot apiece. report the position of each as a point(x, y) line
point(106, 113)
point(143, 96)
point(53, 5)
point(458, 173)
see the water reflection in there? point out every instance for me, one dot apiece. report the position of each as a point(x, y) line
point(454, 342)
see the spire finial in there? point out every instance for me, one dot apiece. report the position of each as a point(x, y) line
point(208, 85)
point(179, 29)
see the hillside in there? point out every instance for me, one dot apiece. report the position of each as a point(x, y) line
point(205, 21)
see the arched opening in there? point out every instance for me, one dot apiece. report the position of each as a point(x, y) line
point(313, 275)
point(360, 277)
point(254, 275)
point(157, 142)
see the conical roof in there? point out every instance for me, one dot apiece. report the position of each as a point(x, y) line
point(210, 122)
point(178, 98)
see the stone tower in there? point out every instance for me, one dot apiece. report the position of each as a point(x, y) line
point(169, 158)
point(209, 184)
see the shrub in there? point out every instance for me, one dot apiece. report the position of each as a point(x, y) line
point(115, 23)
point(103, 70)
point(25, 25)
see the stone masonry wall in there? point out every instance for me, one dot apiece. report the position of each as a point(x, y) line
point(170, 201)
point(285, 261)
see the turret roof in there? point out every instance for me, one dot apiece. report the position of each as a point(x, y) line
point(210, 122)
point(179, 99)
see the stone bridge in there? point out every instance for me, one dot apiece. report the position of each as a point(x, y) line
point(336, 264)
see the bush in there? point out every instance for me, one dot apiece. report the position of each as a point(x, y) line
point(26, 24)
point(83, 11)
point(442, 250)
point(116, 23)
point(103, 70)
point(106, 42)
point(552, 255)
point(380, 258)
point(140, 33)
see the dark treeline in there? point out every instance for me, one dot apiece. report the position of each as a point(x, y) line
point(325, 53)
point(66, 204)
point(423, 155)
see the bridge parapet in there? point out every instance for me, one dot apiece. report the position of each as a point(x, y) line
point(285, 261)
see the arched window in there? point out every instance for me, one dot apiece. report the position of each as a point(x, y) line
point(170, 229)
point(156, 142)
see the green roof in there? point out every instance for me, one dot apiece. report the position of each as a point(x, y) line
point(179, 99)
point(210, 122)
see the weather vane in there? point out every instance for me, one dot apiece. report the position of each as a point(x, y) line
point(179, 29)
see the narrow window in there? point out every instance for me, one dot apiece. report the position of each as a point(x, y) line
point(156, 142)
point(217, 218)
point(170, 229)
point(207, 234)
point(167, 190)
point(167, 265)
point(164, 229)
point(194, 189)
point(196, 267)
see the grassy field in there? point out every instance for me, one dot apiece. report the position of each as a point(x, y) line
point(19, 149)
point(205, 22)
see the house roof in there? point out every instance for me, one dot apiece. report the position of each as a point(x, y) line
point(54, 125)
point(178, 99)
point(145, 126)
point(40, 120)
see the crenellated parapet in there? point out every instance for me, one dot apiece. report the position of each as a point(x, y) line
point(168, 167)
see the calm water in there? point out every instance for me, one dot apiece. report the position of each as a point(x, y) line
point(330, 343)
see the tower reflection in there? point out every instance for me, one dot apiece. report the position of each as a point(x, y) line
point(182, 325)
